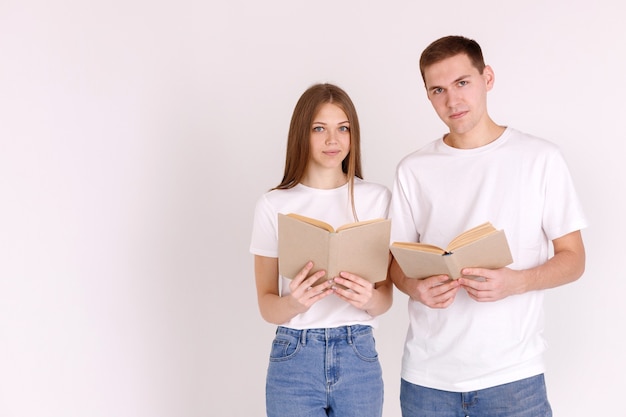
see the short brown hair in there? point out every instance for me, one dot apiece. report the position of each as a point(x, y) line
point(450, 46)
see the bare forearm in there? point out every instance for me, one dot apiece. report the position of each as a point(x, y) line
point(382, 298)
point(567, 265)
point(276, 309)
point(398, 278)
point(564, 267)
point(303, 293)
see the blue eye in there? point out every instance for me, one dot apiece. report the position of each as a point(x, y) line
point(318, 129)
point(438, 91)
point(462, 83)
point(344, 128)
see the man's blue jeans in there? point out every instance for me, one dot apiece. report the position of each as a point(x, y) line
point(324, 372)
point(524, 398)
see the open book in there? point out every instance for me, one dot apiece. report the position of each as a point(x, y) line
point(482, 247)
point(361, 248)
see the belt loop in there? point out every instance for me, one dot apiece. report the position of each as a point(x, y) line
point(349, 328)
point(303, 337)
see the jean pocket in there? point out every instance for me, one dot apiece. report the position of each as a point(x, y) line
point(284, 347)
point(365, 347)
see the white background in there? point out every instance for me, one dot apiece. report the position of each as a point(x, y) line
point(135, 137)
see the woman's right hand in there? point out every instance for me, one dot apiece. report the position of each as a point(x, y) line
point(304, 293)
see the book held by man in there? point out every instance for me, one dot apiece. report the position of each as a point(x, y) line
point(481, 247)
point(361, 248)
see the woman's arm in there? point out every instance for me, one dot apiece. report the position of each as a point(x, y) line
point(276, 309)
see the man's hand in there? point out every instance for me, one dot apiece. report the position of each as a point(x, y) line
point(438, 291)
point(485, 285)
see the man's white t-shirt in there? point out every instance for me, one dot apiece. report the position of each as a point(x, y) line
point(520, 184)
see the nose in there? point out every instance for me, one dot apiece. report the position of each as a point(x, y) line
point(452, 97)
point(331, 137)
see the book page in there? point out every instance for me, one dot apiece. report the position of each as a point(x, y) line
point(357, 224)
point(424, 247)
point(485, 248)
point(491, 251)
point(471, 235)
point(314, 222)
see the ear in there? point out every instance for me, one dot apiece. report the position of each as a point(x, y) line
point(489, 77)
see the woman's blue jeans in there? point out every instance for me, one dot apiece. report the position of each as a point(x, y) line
point(524, 398)
point(324, 372)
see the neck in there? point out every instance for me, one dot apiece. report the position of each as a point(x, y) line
point(325, 180)
point(475, 138)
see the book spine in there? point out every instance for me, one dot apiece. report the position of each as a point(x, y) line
point(334, 252)
point(454, 269)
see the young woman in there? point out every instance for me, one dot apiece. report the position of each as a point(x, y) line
point(323, 360)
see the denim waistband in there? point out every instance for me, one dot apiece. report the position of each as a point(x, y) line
point(343, 332)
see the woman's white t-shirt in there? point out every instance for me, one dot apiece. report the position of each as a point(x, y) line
point(333, 207)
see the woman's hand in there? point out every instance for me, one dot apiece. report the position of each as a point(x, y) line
point(356, 290)
point(362, 294)
point(304, 292)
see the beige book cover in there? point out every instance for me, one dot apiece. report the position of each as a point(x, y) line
point(482, 247)
point(361, 248)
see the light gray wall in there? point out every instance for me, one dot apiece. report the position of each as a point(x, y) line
point(135, 137)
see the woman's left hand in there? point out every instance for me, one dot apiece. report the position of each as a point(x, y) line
point(356, 290)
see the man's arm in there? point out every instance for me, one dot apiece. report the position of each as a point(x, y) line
point(436, 292)
point(567, 265)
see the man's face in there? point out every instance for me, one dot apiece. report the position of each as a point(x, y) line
point(458, 93)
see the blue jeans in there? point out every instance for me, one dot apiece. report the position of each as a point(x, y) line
point(524, 398)
point(324, 372)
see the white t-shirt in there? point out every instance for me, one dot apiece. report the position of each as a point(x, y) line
point(520, 184)
point(333, 207)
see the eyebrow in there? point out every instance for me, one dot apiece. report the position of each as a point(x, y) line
point(461, 78)
point(322, 123)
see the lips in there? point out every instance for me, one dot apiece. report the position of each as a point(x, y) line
point(458, 115)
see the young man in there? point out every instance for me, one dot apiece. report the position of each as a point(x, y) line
point(474, 345)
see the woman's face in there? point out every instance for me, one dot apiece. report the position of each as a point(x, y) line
point(329, 138)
